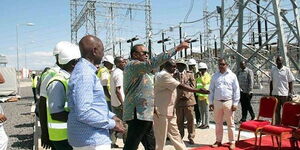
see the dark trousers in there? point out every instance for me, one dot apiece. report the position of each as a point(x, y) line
point(281, 101)
point(246, 106)
point(197, 111)
point(62, 145)
point(139, 131)
point(34, 94)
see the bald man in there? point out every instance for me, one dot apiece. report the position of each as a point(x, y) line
point(89, 118)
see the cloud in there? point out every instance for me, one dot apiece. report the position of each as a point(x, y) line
point(35, 60)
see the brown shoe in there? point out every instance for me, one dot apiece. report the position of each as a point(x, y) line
point(191, 141)
point(217, 144)
point(232, 146)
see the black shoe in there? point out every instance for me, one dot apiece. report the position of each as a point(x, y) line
point(204, 127)
point(191, 141)
point(114, 146)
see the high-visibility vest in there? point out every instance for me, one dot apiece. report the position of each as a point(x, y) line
point(34, 81)
point(100, 73)
point(200, 84)
point(58, 129)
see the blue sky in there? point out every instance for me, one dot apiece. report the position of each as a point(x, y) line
point(52, 24)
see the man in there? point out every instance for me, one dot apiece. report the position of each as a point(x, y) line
point(192, 64)
point(45, 78)
point(185, 101)
point(89, 119)
point(224, 98)
point(203, 81)
point(164, 100)
point(139, 101)
point(281, 85)
point(57, 110)
point(246, 80)
point(34, 80)
point(3, 136)
point(104, 75)
point(117, 93)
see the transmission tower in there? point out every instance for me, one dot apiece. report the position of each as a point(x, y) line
point(88, 16)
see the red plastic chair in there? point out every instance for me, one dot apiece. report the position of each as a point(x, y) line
point(267, 108)
point(289, 123)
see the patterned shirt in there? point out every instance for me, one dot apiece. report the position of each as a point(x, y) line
point(245, 77)
point(138, 87)
point(89, 118)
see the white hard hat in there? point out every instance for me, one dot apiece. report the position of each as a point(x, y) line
point(109, 59)
point(33, 72)
point(192, 62)
point(202, 65)
point(68, 53)
point(60, 46)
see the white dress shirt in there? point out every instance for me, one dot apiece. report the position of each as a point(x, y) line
point(224, 87)
point(280, 79)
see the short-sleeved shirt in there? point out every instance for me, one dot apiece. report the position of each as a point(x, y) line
point(116, 80)
point(104, 76)
point(56, 93)
point(44, 83)
point(165, 93)
point(280, 79)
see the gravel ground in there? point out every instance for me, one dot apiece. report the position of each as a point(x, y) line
point(20, 121)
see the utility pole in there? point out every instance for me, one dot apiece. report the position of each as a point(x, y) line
point(180, 38)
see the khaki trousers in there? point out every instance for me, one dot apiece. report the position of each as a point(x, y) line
point(222, 111)
point(189, 114)
point(166, 126)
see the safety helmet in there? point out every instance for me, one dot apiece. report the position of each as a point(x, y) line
point(68, 53)
point(202, 65)
point(33, 72)
point(192, 62)
point(60, 46)
point(180, 61)
point(109, 59)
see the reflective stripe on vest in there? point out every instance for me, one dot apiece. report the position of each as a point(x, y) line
point(200, 85)
point(57, 129)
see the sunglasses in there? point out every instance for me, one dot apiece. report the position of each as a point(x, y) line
point(222, 64)
point(143, 52)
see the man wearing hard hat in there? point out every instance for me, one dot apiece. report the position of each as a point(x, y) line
point(45, 78)
point(202, 81)
point(57, 108)
point(104, 76)
point(192, 64)
point(185, 101)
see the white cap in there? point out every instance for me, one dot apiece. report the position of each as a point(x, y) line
point(192, 62)
point(60, 46)
point(68, 53)
point(109, 59)
point(202, 65)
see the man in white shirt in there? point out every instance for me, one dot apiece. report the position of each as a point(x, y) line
point(224, 98)
point(116, 90)
point(281, 85)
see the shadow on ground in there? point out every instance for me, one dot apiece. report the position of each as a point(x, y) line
point(24, 125)
point(25, 141)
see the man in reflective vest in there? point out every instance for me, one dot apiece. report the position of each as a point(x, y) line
point(57, 106)
point(34, 80)
point(203, 81)
point(45, 78)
